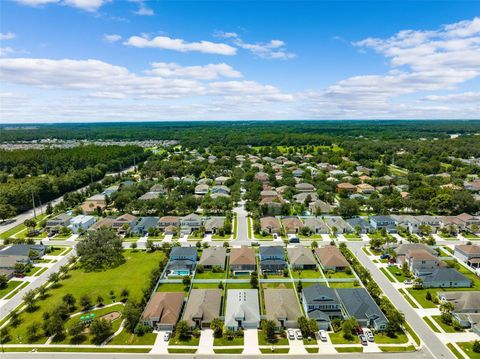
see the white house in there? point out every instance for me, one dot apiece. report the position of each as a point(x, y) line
point(81, 222)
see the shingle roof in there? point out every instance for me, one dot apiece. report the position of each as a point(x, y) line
point(301, 256)
point(281, 304)
point(242, 255)
point(203, 304)
point(164, 305)
point(330, 256)
point(214, 256)
point(359, 304)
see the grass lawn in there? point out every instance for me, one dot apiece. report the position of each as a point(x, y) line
point(96, 350)
point(312, 350)
point(228, 351)
point(274, 351)
point(385, 272)
point(419, 295)
point(210, 275)
point(454, 351)
point(431, 325)
point(447, 328)
point(224, 342)
point(132, 275)
point(126, 338)
point(339, 274)
point(337, 338)
point(40, 272)
point(352, 236)
point(171, 287)
point(410, 348)
point(397, 273)
point(367, 252)
point(11, 285)
point(341, 285)
point(306, 273)
point(467, 348)
point(412, 333)
point(279, 340)
point(33, 271)
point(55, 250)
point(12, 231)
point(401, 338)
point(408, 299)
point(16, 290)
point(192, 341)
point(349, 349)
point(238, 286)
point(205, 286)
point(218, 237)
point(181, 351)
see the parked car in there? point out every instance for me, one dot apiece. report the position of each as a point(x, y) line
point(291, 334)
point(166, 337)
point(359, 330)
point(323, 335)
point(275, 236)
point(363, 339)
point(407, 281)
point(369, 336)
point(294, 240)
point(385, 256)
point(298, 334)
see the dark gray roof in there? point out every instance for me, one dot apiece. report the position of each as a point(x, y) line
point(145, 223)
point(21, 250)
point(184, 252)
point(353, 222)
point(276, 251)
point(444, 275)
point(359, 304)
point(317, 294)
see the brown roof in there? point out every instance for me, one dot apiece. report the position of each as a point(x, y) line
point(242, 255)
point(169, 219)
point(470, 249)
point(347, 185)
point(272, 222)
point(103, 223)
point(127, 217)
point(330, 256)
point(164, 305)
point(420, 254)
point(292, 222)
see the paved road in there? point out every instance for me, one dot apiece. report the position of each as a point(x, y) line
point(42, 279)
point(242, 226)
point(19, 219)
point(415, 355)
point(430, 339)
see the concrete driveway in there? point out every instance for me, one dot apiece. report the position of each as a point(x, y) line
point(205, 346)
point(296, 346)
point(250, 341)
point(160, 346)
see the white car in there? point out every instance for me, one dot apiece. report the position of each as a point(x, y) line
point(407, 281)
point(323, 335)
point(298, 334)
point(369, 335)
point(166, 337)
point(291, 334)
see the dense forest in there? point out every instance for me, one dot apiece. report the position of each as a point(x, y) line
point(255, 133)
point(47, 174)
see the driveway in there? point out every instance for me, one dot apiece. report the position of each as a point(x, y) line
point(250, 342)
point(326, 347)
point(296, 346)
point(160, 346)
point(205, 346)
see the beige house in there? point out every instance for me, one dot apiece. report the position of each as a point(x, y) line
point(330, 257)
point(202, 307)
point(281, 306)
point(163, 310)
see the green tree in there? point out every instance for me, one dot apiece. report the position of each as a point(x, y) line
point(85, 301)
point(183, 330)
point(348, 327)
point(101, 329)
point(101, 250)
point(131, 313)
point(33, 331)
point(268, 327)
point(69, 300)
point(217, 326)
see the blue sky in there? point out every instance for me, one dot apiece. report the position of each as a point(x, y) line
point(101, 60)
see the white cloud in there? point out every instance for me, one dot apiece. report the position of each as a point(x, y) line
point(5, 51)
point(207, 72)
point(465, 97)
point(167, 43)
point(111, 38)
point(86, 5)
point(143, 9)
point(7, 36)
point(274, 49)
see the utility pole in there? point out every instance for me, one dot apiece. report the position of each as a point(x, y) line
point(33, 203)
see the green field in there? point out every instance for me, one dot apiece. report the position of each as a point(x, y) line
point(306, 273)
point(467, 348)
point(126, 338)
point(400, 338)
point(337, 338)
point(349, 349)
point(132, 275)
point(224, 342)
point(431, 325)
point(447, 328)
point(11, 285)
point(210, 275)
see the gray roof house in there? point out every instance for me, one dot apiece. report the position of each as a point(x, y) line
point(62, 220)
point(316, 225)
point(202, 307)
point(7, 262)
point(301, 258)
point(190, 223)
point(322, 304)
point(339, 223)
point(272, 259)
point(445, 278)
point(144, 224)
point(182, 261)
point(212, 225)
point(359, 223)
point(381, 222)
point(213, 257)
point(358, 303)
point(242, 309)
point(23, 250)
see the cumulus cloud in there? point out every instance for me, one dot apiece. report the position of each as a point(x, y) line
point(167, 43)
point(86, 5)
point(274, 49)
point(143, 9)
point(465, 97)
point(7, 36)
point(111, 38)
point(207, 72)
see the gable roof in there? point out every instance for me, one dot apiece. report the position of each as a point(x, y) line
point(319, 294)
point(444, 275)
point(202, 304)
point(468, 248)
point(330, 256)
point(272, 222)
point(214, 256)
point(164, 305)
point(359, 304)
point(301, 256)
point(242, 303)
point(242, 255)
point(281, 304)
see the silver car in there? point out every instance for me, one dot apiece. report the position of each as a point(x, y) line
point(291, 334)
point(323, 335)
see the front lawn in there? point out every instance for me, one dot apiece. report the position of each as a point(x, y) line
point(55, 250)
point(279, 340)
point(447, 328)
point(397, 273)
point(467, 347)
point(382, 338)
point(337, 338)
point(126, 338)
point(132, 275)
point(419, 295)
point(11, 285)
point(224, 342)
point(431, 325)
point(191, 341)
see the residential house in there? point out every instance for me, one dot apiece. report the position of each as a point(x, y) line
point(190, 223)
point(81, 223)
point(301, 258)
point(242, 260)
point(273, 205)
point(298, 173)
point(213, 257)
point(102, 223)
point(316, 225)
point(169, 224)
point(402, 250)
point(272, 259)
point(163, 310)
point(25, 250)
point(110, 190)
point(212, 225)
point(124, 223)
point(62, 220)
point(268, 194)
point(261, 176)
point(421, 261)
point(331, 258)
point(8, 262)
point(445, 278)
point(365, 188)
point(358, 304)
point(182, 261)
point(221, 180)
point(202, 307)
point(242, 309)
point(292, 225)
point(281, 306)
point(221, 190)
point(304, 187)
point(322, 304)
point(319, 207)
point(359, 224)
point(346, 187)
point(305, 197)
point(469, 254)
point(149, 196)
point(94, 203)
point(337, 225)
point(383, 222)
point(431, 221)
point(411, 223)
point(144, 224)
point(270, 225)
point(158, 188)
point(466, 307)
